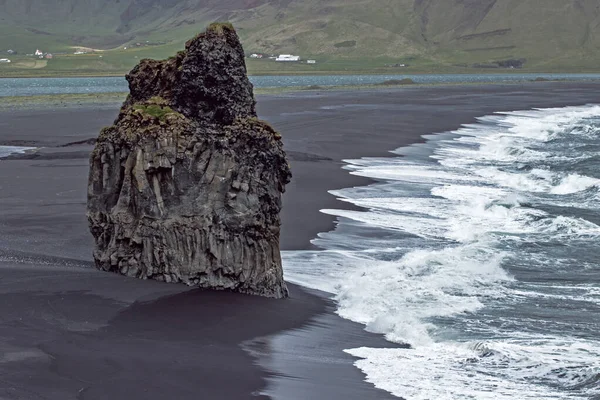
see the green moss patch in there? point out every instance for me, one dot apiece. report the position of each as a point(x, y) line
point(156, 110)
point(220, 27)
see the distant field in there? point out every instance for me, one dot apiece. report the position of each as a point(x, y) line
point(119, 62)
point(109, 62)
point(358, 36)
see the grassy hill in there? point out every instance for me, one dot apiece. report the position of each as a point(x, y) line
point(343, 35)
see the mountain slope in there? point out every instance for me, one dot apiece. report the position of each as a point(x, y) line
point(548, 33)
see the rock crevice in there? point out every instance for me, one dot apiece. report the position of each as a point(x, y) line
point(186, 185)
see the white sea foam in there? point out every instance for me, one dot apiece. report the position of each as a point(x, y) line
point(8, 150)
point(425, 284)
point(574, 183)
point(511, 369)
point(423, 174)
point(469, 209)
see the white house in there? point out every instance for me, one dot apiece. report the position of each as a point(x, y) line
point(287, 57)
point(38, 53)
point(4, 60)
point(311, 61)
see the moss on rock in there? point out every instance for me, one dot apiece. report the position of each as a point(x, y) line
point(156, 107)
point(220, 27)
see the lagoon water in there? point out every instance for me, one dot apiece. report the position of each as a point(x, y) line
point(479, 249)
point(45, 86)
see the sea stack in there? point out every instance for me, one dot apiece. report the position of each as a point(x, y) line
point(186, 185)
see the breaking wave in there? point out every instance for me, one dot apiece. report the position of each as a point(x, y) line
point(478, 249)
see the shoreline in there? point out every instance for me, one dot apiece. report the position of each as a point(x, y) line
point(317, 162)
point(68, 99)
point(111, 99)
point(86, 325)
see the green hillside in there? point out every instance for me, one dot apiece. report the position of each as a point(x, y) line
point(342, 35)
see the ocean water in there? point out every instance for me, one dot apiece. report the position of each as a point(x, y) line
point(8, 150)
point(44, 86)
point(480, 249)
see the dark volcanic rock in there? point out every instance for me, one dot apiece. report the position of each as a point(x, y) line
point(186, 185)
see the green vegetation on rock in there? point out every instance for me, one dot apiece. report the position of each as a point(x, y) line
point(220, 27)
point(158, 111)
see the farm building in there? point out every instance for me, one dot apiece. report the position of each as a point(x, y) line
point(287, 57)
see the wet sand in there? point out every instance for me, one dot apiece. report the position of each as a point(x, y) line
point(68, 331)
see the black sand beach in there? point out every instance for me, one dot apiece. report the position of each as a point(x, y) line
point(68, 331)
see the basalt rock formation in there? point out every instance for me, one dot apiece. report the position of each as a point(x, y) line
point(186, 185)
